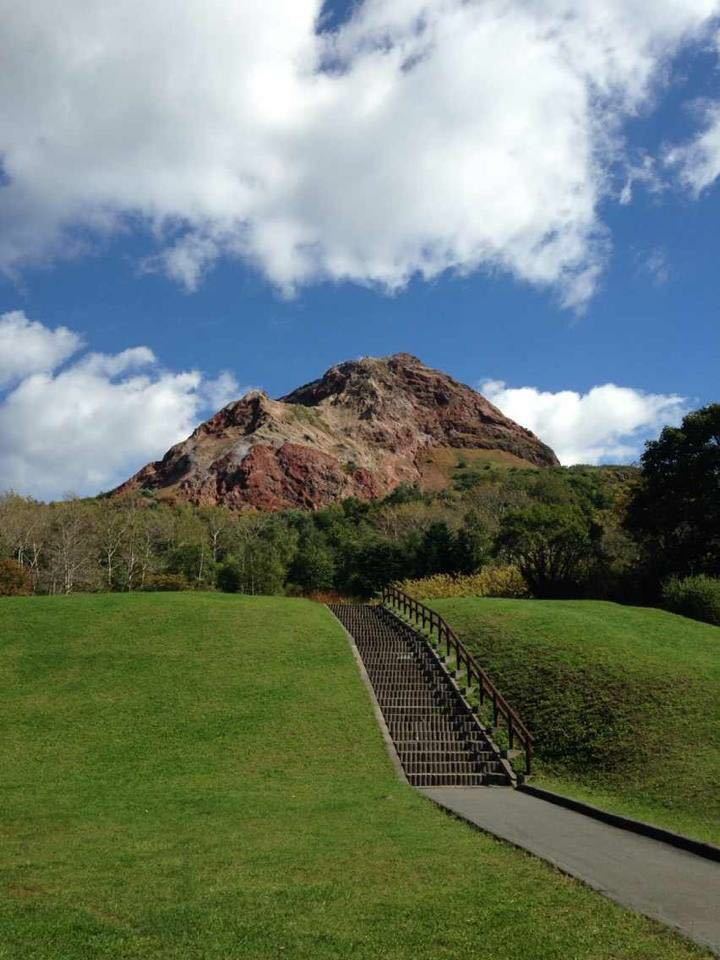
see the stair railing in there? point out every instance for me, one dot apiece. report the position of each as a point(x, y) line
point(434, 625)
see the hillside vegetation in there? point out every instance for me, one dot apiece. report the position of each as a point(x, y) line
point(624, 702)
point(355, 547)
point(201, 776)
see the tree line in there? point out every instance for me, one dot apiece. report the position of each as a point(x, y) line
point(608, 532)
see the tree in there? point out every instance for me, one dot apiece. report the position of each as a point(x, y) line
point(129, 565)
point(437, 553)
point(676, 507)
point(217, 521)
point(15, 580)
point(110, 523)
point(185, 544)
point(191, 562)
point(70, 547)
point(472, 544)
point(23, 531)
point(554, 546)
point(229, 577)
point(262, 550)
point(370, 563)
point(314, 566)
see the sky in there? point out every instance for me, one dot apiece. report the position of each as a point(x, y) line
point(196, 200)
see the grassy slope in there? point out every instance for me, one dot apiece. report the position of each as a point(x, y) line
point(624, 702)
point(202, 777)
point(440, 466)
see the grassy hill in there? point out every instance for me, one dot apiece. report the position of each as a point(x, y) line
point(201, 776)
point(624, 702)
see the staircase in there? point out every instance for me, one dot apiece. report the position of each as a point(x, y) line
point(437, 737)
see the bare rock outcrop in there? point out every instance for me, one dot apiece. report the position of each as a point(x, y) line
point(361, 430)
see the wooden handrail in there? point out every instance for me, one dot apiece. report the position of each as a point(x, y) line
point(424, 616)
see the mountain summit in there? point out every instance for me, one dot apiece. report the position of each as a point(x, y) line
point(362, 429)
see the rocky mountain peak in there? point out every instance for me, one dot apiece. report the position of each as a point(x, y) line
point(361, 429)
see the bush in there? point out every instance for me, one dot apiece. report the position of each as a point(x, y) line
point(696, 597)
point(166, 582)
point(491, 581)
point(14, 579)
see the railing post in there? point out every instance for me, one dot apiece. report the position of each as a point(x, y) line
point(403, 604)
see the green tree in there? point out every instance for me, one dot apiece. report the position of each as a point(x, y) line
point(472, 544)
point(229, 576)
point(263, 548)
point(437, 553)
point(192, 561)
point(676, 507)
point(314, 565)
point(370, 563)
point(554, 546)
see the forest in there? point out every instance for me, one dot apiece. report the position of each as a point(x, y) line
point(625, 533)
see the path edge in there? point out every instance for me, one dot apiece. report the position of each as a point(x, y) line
point(565, 870)
point(389, 745)
point(698, 847)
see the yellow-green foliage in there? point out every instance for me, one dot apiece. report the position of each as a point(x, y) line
point(493, 581)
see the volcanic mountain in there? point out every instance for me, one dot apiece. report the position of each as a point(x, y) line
point(361, 430)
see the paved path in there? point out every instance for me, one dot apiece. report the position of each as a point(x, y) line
point(666, 883)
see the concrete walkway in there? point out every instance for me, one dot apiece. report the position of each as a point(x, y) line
point(680, 889)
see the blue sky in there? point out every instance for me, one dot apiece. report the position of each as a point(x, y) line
point(648, 325)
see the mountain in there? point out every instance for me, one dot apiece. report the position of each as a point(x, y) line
point(362, 429)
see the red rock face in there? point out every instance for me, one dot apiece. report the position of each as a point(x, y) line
point(360, 431)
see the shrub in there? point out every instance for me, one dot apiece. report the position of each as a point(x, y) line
point(14, 579)
point(697, 597)
point(329, 596)
point(492, 581)
point(166, 582)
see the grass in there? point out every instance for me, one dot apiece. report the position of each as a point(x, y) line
point(624, 702)
point(201, 776)
point(440, 467)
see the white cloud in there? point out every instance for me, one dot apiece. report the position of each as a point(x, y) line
point(222, 390)
point(698, 161)
point(654, 263)
point(424, 135)
point(28, 347)
point(608, 424)
point(87, 426)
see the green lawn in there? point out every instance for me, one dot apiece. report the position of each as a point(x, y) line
point(201, 776)
point(624, 701)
